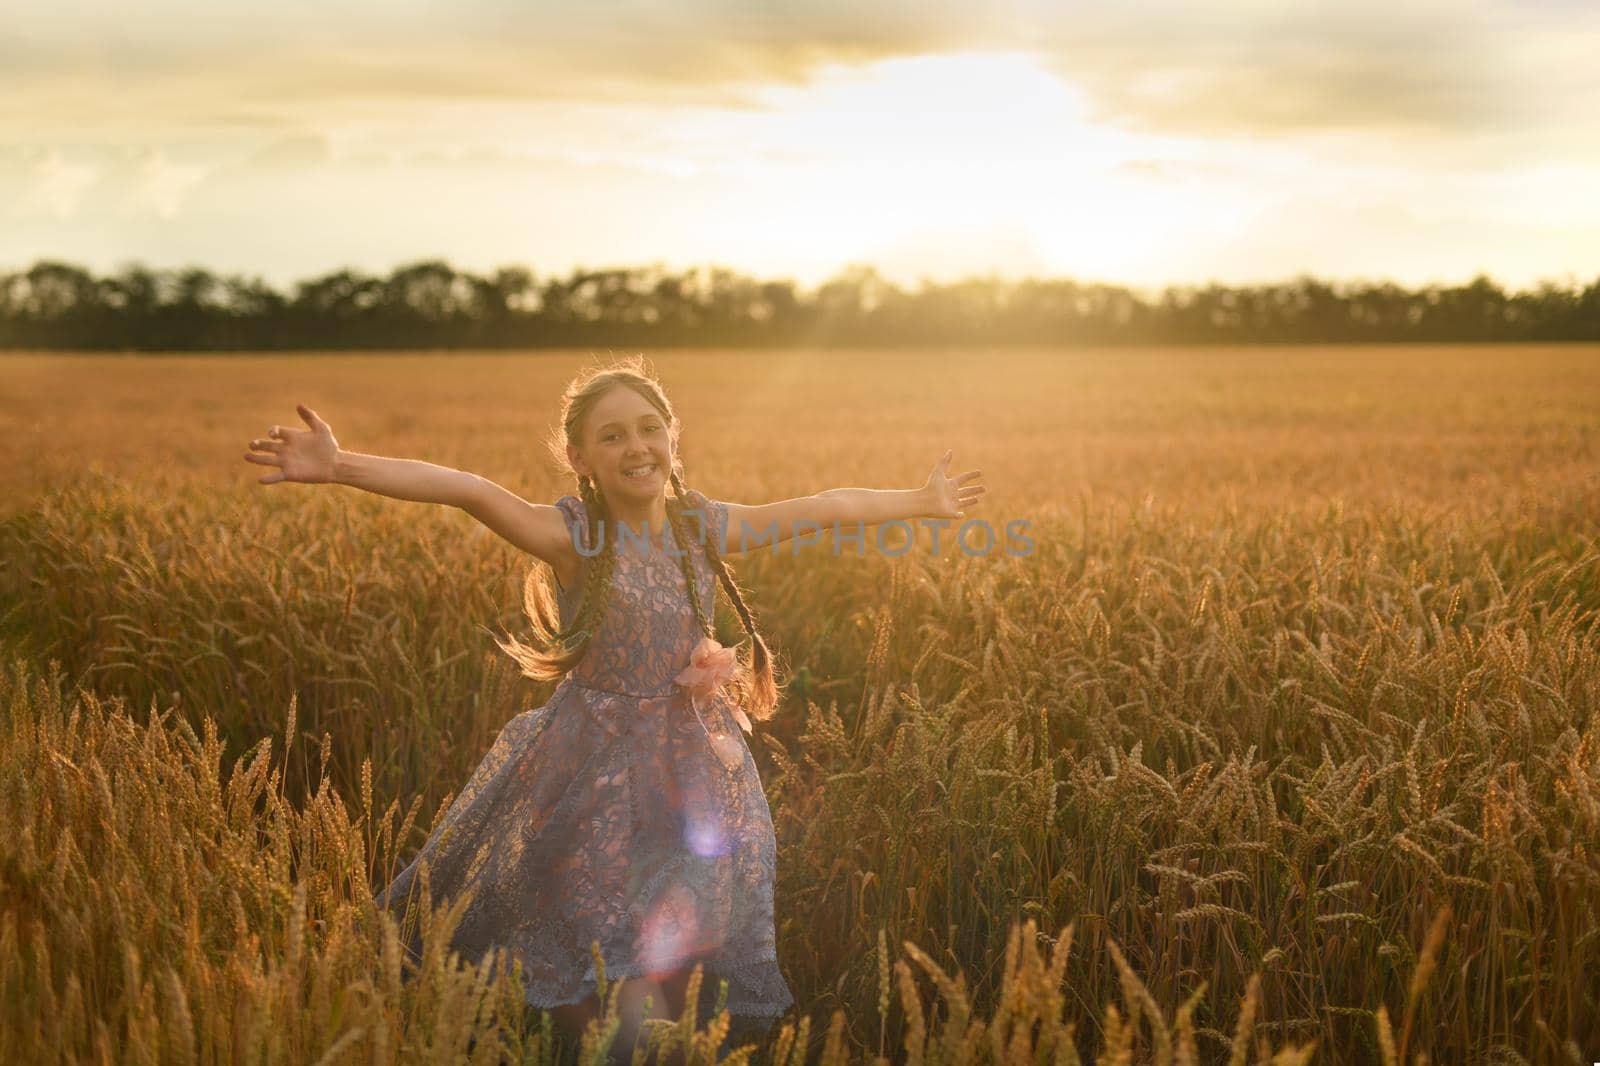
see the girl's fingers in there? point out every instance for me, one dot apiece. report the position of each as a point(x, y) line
point(267, 445)
point(264, 460)
point(969, 475)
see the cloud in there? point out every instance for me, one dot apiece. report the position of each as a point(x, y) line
point(37, 180)
point(1249, 68)
point(291, 152)
point(243, 115)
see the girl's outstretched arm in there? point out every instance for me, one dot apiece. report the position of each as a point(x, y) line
point(313, 456)
point(762, 525)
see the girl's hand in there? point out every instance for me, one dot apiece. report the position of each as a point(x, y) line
point(948, 495)
point(304, 455)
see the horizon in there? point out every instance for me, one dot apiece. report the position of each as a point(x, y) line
point(1568, 282)
point(1150, 146)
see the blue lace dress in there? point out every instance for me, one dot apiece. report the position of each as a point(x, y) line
point(619, 811)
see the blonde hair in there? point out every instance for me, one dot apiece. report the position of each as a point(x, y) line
point(562, 649)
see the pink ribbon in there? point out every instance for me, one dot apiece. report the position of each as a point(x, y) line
point(710, 664)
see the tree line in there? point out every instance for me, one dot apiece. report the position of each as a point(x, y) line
point(429, 304)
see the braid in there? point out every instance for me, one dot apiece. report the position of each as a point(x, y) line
point(675, 515)
point(761, 689)
point(567, 646)
point(597, 583)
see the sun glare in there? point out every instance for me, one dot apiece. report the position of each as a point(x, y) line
point(931, 162)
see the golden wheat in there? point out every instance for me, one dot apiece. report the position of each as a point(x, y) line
point(1292, 703)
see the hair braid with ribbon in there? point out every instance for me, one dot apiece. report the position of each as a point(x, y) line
point(759, 689)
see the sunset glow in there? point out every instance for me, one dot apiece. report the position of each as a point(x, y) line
point(1158, 144)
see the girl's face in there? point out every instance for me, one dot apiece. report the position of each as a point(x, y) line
point(627, 447)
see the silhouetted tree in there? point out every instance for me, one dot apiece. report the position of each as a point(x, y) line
point(429, 304)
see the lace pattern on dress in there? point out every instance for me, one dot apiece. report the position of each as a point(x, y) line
point(619, 812)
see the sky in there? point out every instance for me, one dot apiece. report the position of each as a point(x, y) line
point(1139, 143)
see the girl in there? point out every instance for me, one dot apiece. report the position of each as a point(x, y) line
point(627, 809)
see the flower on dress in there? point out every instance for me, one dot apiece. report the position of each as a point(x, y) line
point(710, 664)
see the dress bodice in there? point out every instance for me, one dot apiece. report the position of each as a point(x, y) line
point(649, 628)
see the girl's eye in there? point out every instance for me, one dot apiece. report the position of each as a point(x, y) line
point(609, 437)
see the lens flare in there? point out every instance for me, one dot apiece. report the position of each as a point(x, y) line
point(705, 837)
point(669, 931)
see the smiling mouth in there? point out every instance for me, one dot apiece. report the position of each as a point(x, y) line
point(639, 473)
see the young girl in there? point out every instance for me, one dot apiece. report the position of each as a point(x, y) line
point(627, 809)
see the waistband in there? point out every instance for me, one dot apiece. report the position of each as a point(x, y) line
point(664, 692)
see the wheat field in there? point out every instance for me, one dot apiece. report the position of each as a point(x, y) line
point(1280, 745)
